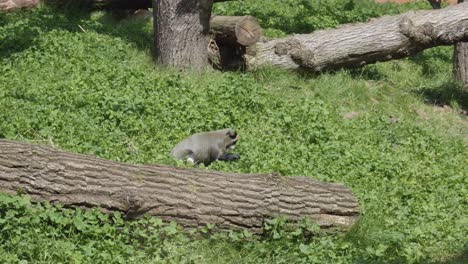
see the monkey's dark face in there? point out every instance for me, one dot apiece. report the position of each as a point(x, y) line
point(231, 138)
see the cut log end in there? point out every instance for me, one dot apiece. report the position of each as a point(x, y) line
point(243, 30)
point(248, 31)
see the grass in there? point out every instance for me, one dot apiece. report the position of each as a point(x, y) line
point(380, 130)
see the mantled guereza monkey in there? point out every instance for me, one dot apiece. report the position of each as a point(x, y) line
point(206, 147)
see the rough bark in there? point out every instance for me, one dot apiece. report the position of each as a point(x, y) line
point(229, 30)
point(234, 30)
point(381, 39)
point(191, 197)
point(460, 61)
point(9, 5)
point(181, 32)
point(232, 34)
point(129, 4)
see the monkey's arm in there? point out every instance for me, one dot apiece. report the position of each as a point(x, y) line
point(229, 156)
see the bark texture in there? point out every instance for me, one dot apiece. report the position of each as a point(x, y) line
point(232, 30)
point(128, 4)
point(181, 32)
point(460, 61)
point(381, 39)
point(232, 34)
point(191, 197)
point(9, 5)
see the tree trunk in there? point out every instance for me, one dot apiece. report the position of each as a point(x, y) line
point(191, 197)
point(128, 4)
point(8, 5)
point(181, 32)
point(460, 61)
point(381, 39)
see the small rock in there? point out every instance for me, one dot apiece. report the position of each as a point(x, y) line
point(351, 115)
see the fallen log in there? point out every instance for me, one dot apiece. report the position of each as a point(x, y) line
point(235, 30)
point(381, 39)
point(191, 197)
point(232, 34)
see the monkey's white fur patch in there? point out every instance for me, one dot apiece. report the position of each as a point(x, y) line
point(232, 147)
point(191, 160)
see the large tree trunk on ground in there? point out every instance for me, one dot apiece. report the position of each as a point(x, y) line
point(181, 32)
point(460, 61)
point(381, 39)
point(191, 197)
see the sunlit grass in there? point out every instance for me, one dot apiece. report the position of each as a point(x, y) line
point(382, 130)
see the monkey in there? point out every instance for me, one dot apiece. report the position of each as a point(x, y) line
point(206, 147)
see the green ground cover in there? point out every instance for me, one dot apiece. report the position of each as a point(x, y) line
point(382, 130)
